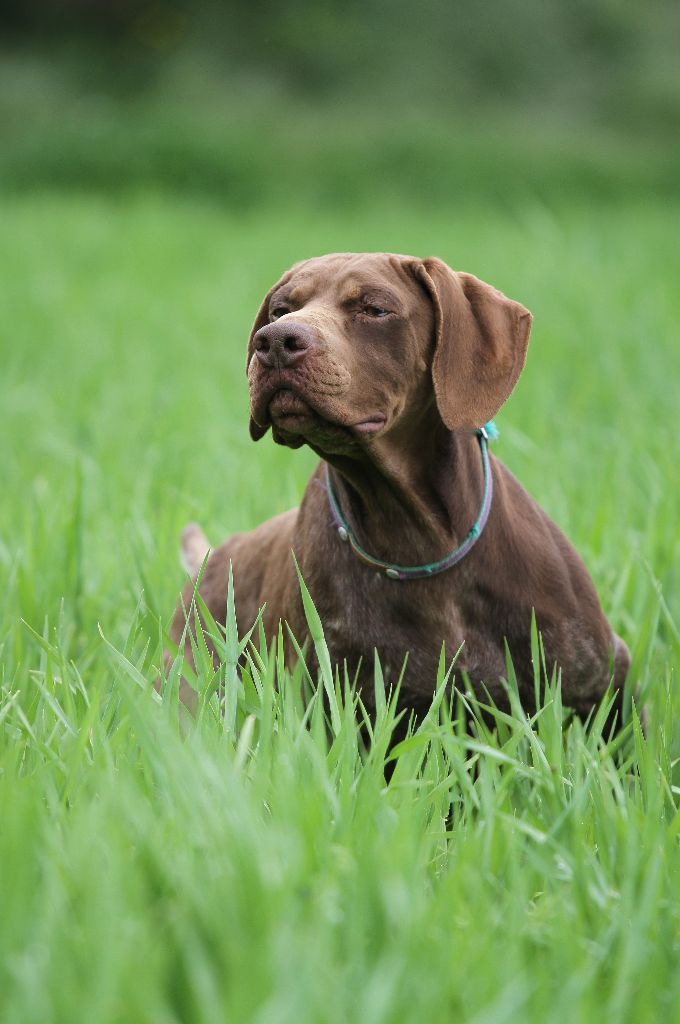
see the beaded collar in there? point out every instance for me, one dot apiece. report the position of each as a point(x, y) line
point(418, 572)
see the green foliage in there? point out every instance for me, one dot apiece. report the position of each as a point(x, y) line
point(267, 862)
point(617, 62)
point(204, 130)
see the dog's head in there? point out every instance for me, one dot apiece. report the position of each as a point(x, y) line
point(348, 347)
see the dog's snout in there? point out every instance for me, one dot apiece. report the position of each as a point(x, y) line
point(283, 343)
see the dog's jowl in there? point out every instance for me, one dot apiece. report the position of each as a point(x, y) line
point(410, 533)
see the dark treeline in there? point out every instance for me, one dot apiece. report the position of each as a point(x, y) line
point(600, 58)
point(253, 102)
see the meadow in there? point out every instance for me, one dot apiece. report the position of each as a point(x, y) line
point(257, 866)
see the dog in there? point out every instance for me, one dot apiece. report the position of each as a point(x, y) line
point(410, 533)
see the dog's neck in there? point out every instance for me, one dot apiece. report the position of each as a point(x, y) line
point(411, 497)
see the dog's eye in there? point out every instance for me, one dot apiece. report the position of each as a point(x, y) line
point(376, 311)
point(277, 312)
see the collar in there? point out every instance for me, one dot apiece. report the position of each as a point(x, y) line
point(418, 572)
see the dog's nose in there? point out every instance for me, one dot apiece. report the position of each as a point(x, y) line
point(283, 343)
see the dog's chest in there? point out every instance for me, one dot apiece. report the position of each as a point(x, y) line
point(363, 611)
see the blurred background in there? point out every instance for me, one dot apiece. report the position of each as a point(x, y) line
point(334, 105)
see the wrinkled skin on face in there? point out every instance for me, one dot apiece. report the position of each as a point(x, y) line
point(368, 362)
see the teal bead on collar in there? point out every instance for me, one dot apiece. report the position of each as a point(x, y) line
point(485, 434)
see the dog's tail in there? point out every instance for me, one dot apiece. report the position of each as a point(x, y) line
point(195, 547)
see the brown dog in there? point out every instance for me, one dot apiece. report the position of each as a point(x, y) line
point(387, 366)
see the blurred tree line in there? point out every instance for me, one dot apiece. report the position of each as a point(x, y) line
point(261, 101)
point(607, 58)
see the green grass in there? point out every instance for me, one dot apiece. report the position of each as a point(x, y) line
point(259, 868)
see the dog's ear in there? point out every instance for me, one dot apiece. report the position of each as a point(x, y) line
point(262, 318)
point(481, 340)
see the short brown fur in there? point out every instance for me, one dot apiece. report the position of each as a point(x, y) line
point(385, 365)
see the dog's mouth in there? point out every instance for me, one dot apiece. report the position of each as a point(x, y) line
point(287, 409)
point(290, 413)
point(373, 425)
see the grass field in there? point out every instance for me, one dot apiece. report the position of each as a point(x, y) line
point(256, 869)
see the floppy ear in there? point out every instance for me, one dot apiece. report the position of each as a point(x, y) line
point(481, 340)
point(262, 318)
